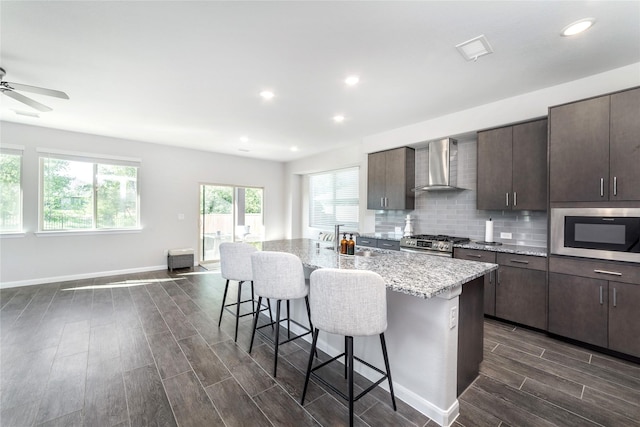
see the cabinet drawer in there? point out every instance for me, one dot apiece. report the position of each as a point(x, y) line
point(366, 241)
point(604, 270)
point(475, 255)
point(523, 261)
point(393, 245)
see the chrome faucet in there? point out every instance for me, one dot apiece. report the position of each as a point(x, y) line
point(337, 237)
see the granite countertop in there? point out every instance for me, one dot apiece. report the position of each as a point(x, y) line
point(505, 248)
point(423, 276)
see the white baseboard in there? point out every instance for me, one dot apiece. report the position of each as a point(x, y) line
point(40, 281)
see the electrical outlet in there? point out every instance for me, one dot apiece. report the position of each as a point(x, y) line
point(453, 317)
point(506, 236)
point(180, 216)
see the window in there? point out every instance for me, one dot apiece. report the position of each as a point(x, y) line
point(10, 190)
point(334, 198)
point(84, 193)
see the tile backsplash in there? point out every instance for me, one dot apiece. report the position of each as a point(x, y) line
point(454, 212)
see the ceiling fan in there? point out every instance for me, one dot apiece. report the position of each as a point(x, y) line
point(9, 89)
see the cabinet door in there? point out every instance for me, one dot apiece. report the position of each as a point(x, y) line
point(578, 308)
point(494, 169)
point(624, 318)
point(376, 178)
point(625, 146)
point(579, 151)
point(530, 166)
point(521, 296)
point(489, 278)
point(400, 178)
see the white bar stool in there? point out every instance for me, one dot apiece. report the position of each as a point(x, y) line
point(235, 264)
point(350, 303)
point(280, 276)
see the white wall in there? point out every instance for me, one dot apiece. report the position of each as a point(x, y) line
point(169, 183)
point(506, 111)
point(296, 171)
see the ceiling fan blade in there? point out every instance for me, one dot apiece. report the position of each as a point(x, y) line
point(40, 90)
point(30, 102)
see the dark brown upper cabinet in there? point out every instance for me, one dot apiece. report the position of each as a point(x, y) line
point(512, 167)
point(594, 149)
point(391, 176)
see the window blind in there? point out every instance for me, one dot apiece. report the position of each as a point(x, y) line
point(334, 198)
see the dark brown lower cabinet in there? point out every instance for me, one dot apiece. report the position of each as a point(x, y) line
point(521, 296)
point(624, 318)
point(598, 303)
point(521, 289)
point(489, 279)
point(470, 333)
point(578, 308)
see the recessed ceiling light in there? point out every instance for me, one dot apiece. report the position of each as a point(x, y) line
point(472, 49)
point(338, 118)
point(294, 148)
point(244, 139)
point(267, 94)
point(577, 27)
point(352, 80)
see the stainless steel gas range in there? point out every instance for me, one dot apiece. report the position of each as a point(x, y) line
point(440, 245)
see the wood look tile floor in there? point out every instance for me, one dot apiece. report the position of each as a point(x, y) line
point(145, 349)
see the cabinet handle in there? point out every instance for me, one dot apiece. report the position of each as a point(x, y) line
point(497, 277)
point(387, 244)
point(615, 298)
point(615, 185)
point(519, 261)
point(490, 277)
point(601, 187)
point(515, 199)
point(611, 273)
point(474, 256)
point(382, 202)
point(601, 298)
point(507, 198)
point(365, 242)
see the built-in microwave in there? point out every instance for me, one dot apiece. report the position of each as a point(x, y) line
point(602, 233)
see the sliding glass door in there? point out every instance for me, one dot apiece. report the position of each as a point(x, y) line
point(229, 214)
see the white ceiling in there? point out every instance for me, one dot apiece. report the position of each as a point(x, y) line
point(189, 73)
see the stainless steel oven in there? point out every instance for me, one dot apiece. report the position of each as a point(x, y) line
point(602, 233)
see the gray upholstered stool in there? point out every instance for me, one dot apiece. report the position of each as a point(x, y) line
point(280, 276)
point(350, 303)
point(235, 264)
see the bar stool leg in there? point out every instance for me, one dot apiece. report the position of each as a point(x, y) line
point(310, 364)
point(386, 364)
point(277, 340)
point(306, 300)
point(270, 316)
point(346, 361)
point(235, 337)
point(288, 320)
point(224, 299)
point(349, 352)
point(255, 324)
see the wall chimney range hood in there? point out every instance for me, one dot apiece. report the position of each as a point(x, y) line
point(443, 166)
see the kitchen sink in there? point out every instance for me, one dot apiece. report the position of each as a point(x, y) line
point(359, 253)
point(366, 253)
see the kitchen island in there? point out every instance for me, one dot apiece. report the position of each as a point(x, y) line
point(435, 320)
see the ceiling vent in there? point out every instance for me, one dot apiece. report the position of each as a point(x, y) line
point(472, 49)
